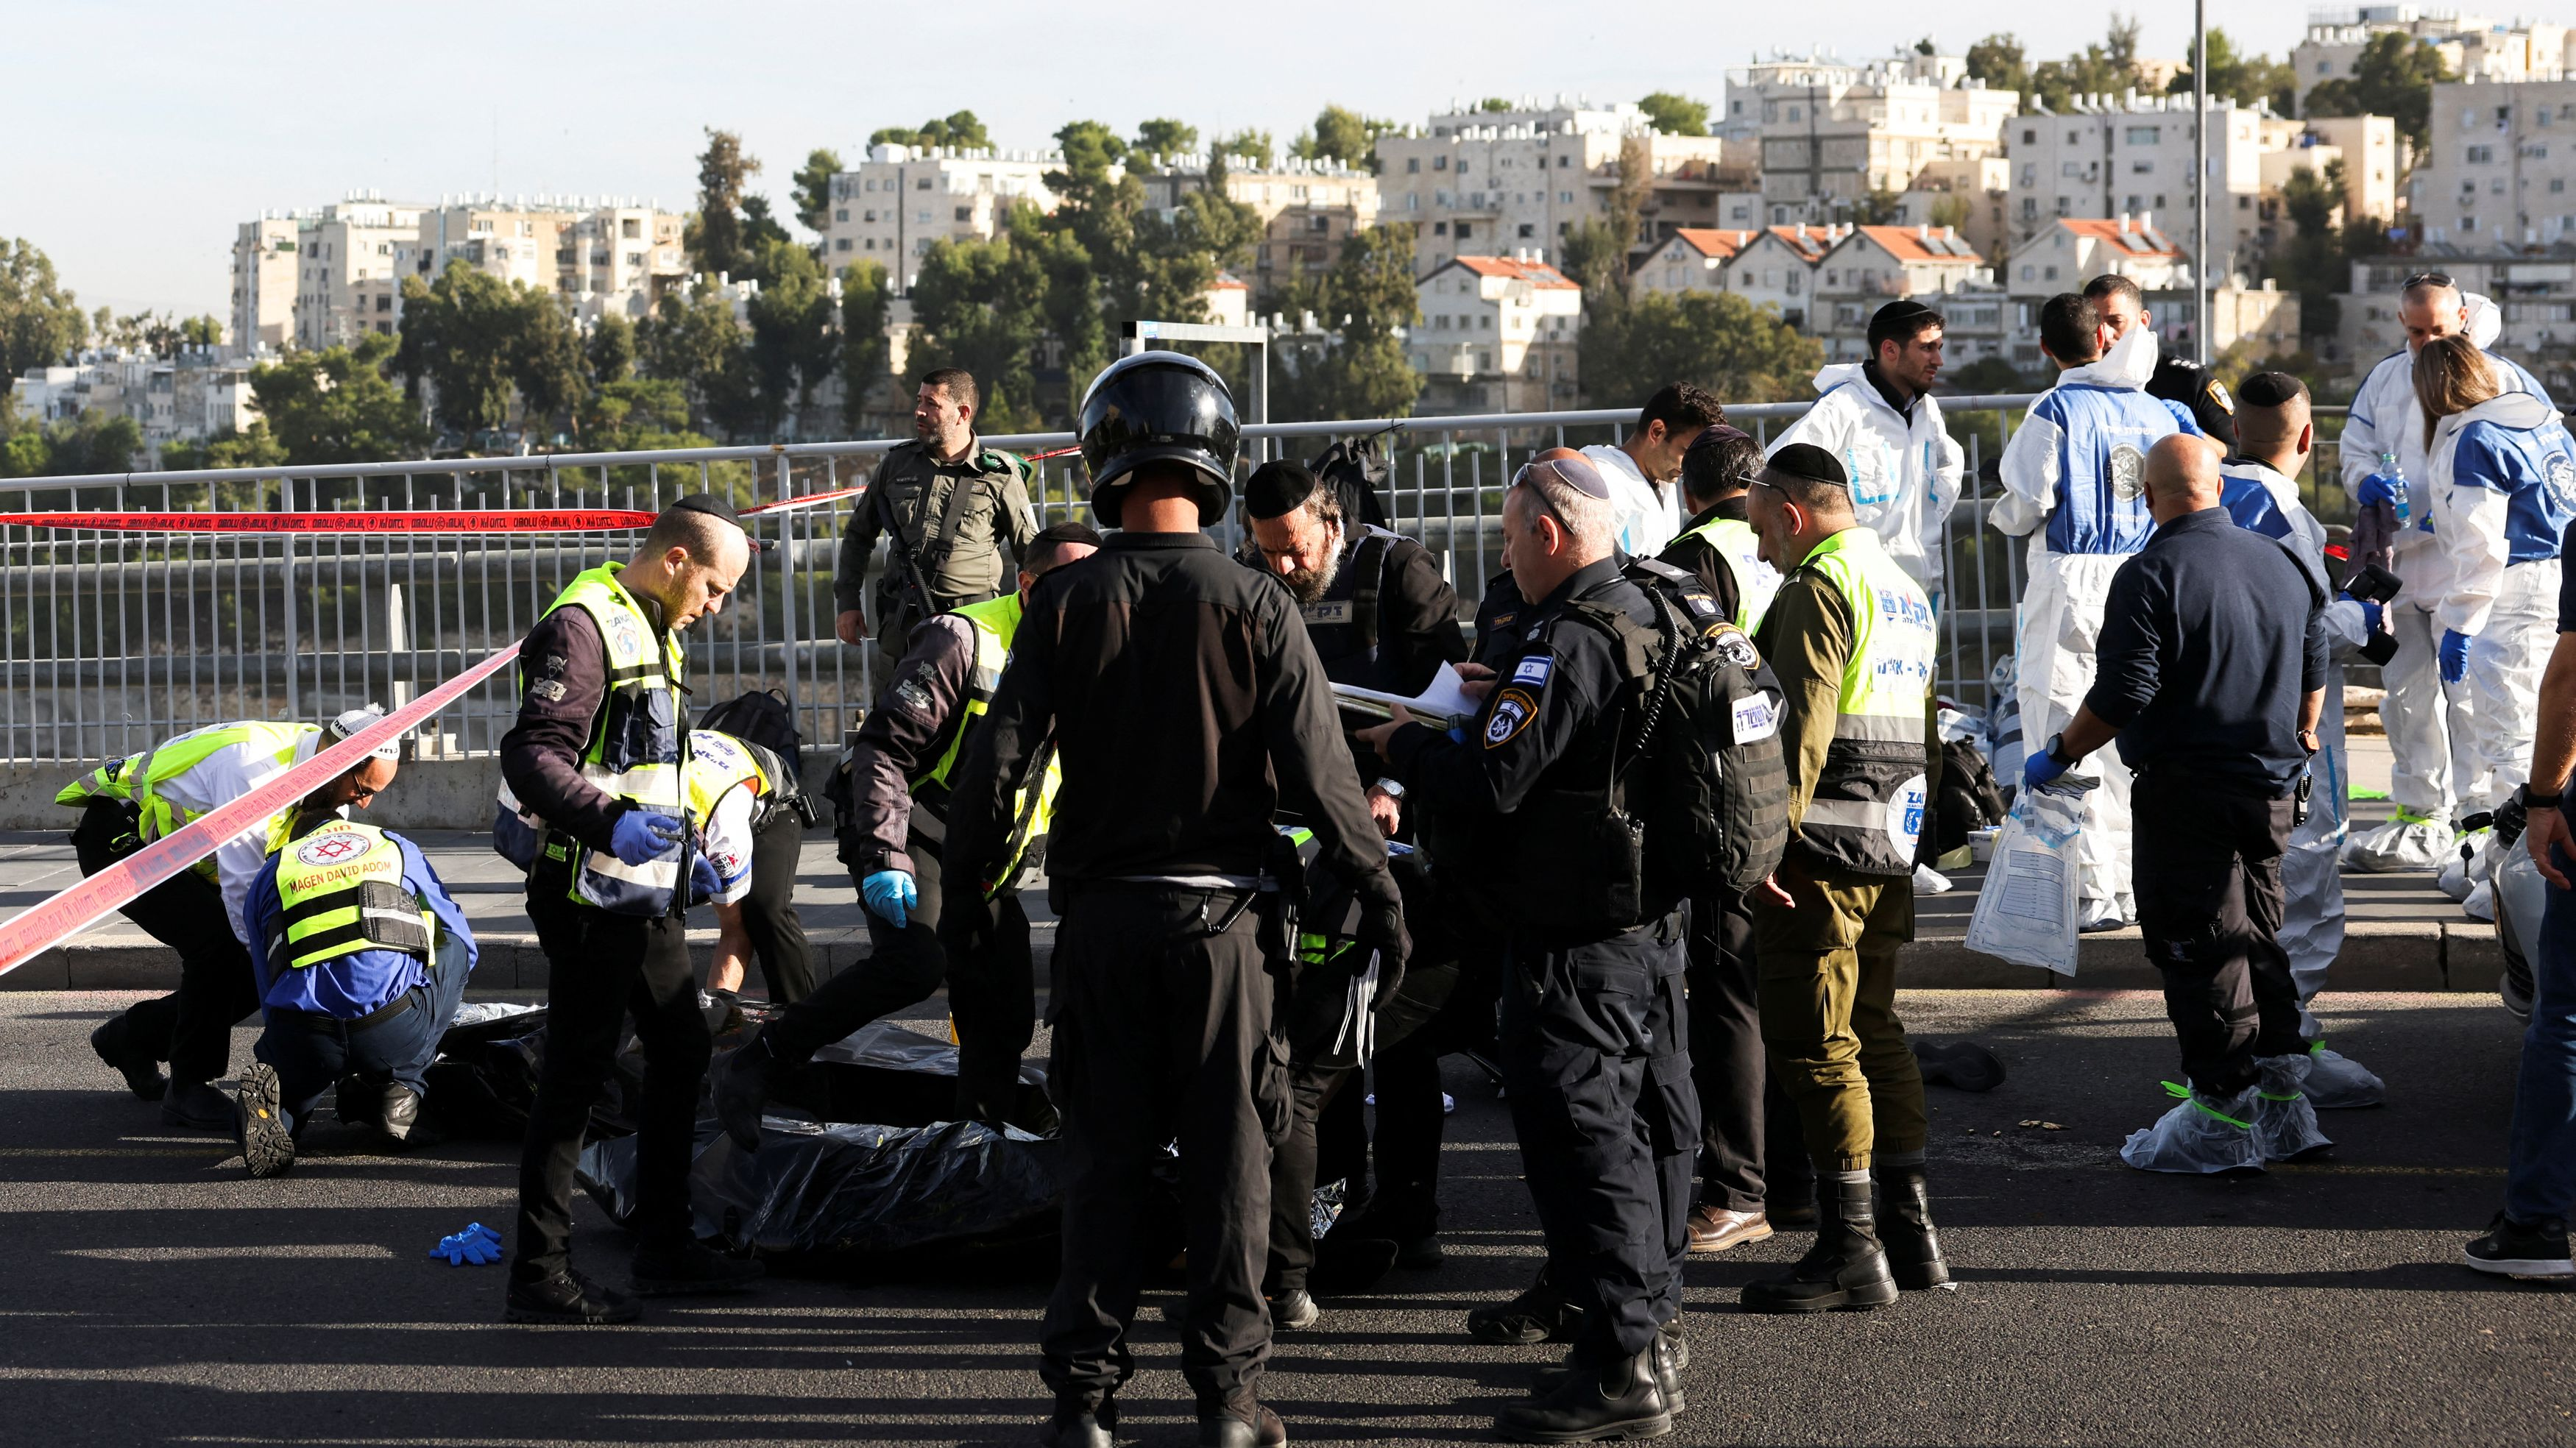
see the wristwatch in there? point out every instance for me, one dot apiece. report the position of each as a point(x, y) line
point(1390, 788)
point(2530, 801)
point(2056, 748)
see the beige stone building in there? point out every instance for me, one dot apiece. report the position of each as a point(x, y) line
point(607, 257)
point(892, 206)
point(1498, 334)
point(1831, 134)
point(1874, 265)
point(2472, 46)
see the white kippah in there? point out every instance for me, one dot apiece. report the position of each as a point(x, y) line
point(355, 722)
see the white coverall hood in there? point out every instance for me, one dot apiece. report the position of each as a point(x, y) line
point(1905, 468)
point(2128, 365)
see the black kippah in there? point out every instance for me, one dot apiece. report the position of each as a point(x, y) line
point(1810, 462)
point(2270, 389)
point(1276, 487)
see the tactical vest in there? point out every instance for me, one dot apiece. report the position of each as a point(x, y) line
point(1869, 799)
point(1756, 582)
point(1343, 624)
point(340, 891)
point(996, 622)
point(635, 752)
point(137, 779)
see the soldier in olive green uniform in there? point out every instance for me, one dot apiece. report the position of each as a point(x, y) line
point(945, 504)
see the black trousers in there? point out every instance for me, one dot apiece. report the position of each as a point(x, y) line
point(1404, 1198)
point(1599, 1079)
point(191, 1028)
point(1751, 1148)
point(2208, 879)
point(769, 911)
point(1163, 1030)
point(601, 970)
point(984, 960)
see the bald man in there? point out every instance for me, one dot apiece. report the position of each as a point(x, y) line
point(2212, 674)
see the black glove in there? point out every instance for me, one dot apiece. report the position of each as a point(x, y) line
point(1382, 929)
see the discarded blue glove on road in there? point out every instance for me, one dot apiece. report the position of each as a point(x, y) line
point(477, 1244)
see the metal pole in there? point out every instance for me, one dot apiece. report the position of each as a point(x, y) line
point(2200, 189)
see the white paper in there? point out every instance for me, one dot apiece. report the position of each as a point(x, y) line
point(1446, 697)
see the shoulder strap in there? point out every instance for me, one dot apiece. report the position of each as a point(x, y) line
point(1368, 568)
point(950, 517)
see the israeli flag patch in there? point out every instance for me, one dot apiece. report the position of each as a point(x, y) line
point(1756, 717)
point(1534, 670)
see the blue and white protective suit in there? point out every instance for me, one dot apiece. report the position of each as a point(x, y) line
point(2503, 485)
point(2385, 435)
point(2074, 483)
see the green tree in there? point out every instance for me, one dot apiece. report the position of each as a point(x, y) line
point(611, 349)
point(693, 340)
point(477, 340)
point(40, 320)
point(1359, 369)
point(202, 331)
point(980, 305)
point(1491, 104)
point(2104, 69)
point(548, 365)
point(760, 231)
point(792, 346)
point(1676, 115)
point(866, 304)
point(1952, 211)
point(1879, 208)
point(1999, 62)
point(1716, 339)
point(2243, 77)
point(1163, 136)
point(254, 447)
point(812, 186)
point(338, 406)
point(2311, 261)
point(2394, 77)
point(1344, 135)
point(714, 237)
point(1249, 145)
point(960, 129)
point(90, 443)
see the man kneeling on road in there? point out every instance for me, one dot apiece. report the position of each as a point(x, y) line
point(361, 959)
point(2212, 672)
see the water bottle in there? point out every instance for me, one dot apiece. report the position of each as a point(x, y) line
point(2395, 471)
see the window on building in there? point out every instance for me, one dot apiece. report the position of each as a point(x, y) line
point(2557, 183)
point(842, 244)
point(2160, 201)
point(2142, 168)
point(1564, 161)
point(2481, 155)
point(2145, 135)
point(965, 213)
point(922, 219)
point(868, 244)
point(2029, 137)
point(1440, 228)
point(1439, 163)
point(1796, 114)
point(1462, 231)
point(1528, 229)
point(921, 185)
point(841, 213)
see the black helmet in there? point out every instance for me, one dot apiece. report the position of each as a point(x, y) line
point(1152, 407)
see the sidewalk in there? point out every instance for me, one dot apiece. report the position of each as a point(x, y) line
point(2400, 934)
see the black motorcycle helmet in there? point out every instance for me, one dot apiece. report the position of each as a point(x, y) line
point(1152, 407)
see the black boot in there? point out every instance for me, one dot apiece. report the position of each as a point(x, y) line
point(1081, 1425)
point(1670, 1358)
point(114, 1043)
point(1623, 1400)
point(1846, 1267)
point(1905, 1228)
point(1540, 1314)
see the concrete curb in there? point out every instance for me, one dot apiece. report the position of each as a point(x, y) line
point(2377, 956)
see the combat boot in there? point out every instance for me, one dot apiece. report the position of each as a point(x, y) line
point(1905, 1228)
point(1668, 1351)
point(1846, 1268)
point(1623, 1400)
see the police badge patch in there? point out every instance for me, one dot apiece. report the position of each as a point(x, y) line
point(1513, 710)
point(2128, 472)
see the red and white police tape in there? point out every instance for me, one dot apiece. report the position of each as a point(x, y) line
point(49, 922)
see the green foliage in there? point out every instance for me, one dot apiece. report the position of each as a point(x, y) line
point(202, 331)
point(1249, 145)
point(1676, 115)
point(1998, 60)
point(255, 448)
point(792, 346)
point(811, 187)
point(2107, 68)
point(1344, 135)
point(693, 340)
point(1879, 208)
point(866, 302)
point(2394, 78)
point(1951, 211)
point(477, 339)
point(2312, 260)
point(980, 305)
point(1717, 340)
point(338, 406)
point(612, 349)
point(1362, 301)
point(960, 129)
point(1984, 377)
point(157, 334)
point(1594, 256)
point(714, 236)
point(1163, 136)
point(90, 443)
point(40, 321)
point(1493, 103)
point(2243, 78)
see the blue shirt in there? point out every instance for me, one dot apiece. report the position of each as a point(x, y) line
point(349, 986)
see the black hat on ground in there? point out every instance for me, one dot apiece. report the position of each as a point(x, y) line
point(1158, 407)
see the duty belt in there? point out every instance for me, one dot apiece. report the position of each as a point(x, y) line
point(321, 1024)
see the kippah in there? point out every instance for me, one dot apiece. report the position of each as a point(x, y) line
point(1806, 461)
point(1275, 487)
point(1716, 434)
point(2270, 389)
point(357, 721)
point(709, 504)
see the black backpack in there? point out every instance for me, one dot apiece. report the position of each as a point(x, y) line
point(760, 717)
point(1356, 472)
point(1702, 772)
point(1968, 799)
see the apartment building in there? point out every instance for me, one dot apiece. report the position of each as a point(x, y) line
point(893, 205)
point(1307, 210)
point(615, 256)
point(1498, 334)
point(2131, 154)
point(1833, 134)
point(2499, 167)
point(2536, 293)
point(1777, 269)
point(192, 397)
point(320, 278)
point(2073, 251)
point(2367, 146)
point(266, 257)
point(1476, 182)
point(1871, 266)
point(1694, 260)
point(2471, 46)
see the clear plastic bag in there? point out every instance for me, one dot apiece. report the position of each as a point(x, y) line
point(2026, 910)
point(2198, 1136)
point(2337, 1082)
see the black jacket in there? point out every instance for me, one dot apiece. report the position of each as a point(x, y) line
point(2190, 384)
point(1701, 556)
point(1187, 706)
point(2212, 636)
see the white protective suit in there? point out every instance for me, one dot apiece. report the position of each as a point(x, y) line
point(2385, 434)
point(1904, 467)
point(2497, 591)
point(2059, 623)
point(1650, 517)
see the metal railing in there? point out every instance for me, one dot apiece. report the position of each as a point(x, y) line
point(111, 642)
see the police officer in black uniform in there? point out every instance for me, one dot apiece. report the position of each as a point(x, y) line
point(2123, 306)
point(1187, 707)
point(1594, 1020)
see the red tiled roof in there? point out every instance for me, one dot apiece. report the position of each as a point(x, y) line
point(2136, 241)
point(1711, 241)
point(1536, 273)
point(1905, 244)
point(1809, 242)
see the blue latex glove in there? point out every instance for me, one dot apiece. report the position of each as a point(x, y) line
point(2455, 656)
point(2381, 488)
point(2371, 612)
point(477, 1245)
point(641, 835)
point(891, 893)
point(704, 882)
point(2039, 767)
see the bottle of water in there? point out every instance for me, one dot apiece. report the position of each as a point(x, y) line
point(2395, 472)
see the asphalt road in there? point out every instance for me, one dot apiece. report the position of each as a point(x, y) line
point(155, 1295)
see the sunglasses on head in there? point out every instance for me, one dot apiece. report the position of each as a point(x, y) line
point(2427, 279)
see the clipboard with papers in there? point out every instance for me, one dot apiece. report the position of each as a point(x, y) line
point(1445, 703)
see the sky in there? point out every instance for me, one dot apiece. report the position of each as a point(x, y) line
point(138, 136)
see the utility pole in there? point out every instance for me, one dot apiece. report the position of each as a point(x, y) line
point(2200, 188)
